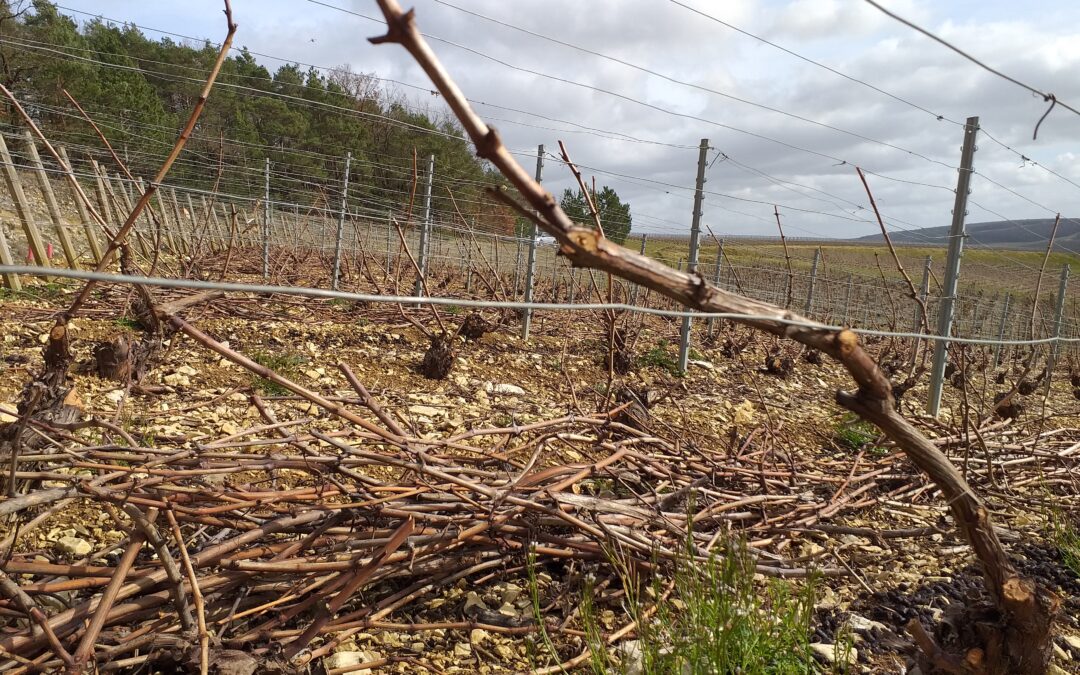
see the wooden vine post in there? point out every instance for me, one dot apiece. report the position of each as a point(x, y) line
point(102, 195)
point(11, 281)
point(50, 201)
point(22, 207)
point(84, 210)
point(1010, 636)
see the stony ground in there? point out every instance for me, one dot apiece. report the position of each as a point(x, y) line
point(194, 397)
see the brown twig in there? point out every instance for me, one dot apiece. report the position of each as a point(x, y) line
point(1033, 608)
point(101, 612)
point(609, 315)
point(734, 272)
point(1029, 362)
point(1042, 272)
point(145, 525)
point(152, 188)
point(787, 258)
point(232, 243)
point(912, 292)
point(11, 590)
point(108, 146)
point(196, 594)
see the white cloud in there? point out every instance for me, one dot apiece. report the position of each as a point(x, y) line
point(825, 19)
point(1043, 47)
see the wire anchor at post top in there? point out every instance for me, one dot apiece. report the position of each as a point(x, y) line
point(1053, 102)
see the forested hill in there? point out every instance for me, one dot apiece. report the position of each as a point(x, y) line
point(1015, 234)
point(140, 91)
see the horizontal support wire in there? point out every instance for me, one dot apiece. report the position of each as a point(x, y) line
point(264, 289)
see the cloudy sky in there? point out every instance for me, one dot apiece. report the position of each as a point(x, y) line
point(638, 131)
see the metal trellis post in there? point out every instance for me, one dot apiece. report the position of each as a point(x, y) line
point(1059, 316)
point(389, 239)
point(924, 292)
point(813, 282)
point(425, 231)
point(468, 269)
point(530, 270)
point(1001, 329)
point(847, 299)
point(266, 222)
point(716, 282)
point(635, 287)
point(341, 223)
point(517, 264)
point(952, 266)
point(695, 233)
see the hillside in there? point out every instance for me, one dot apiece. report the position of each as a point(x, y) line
point(303, 120)
point(1023, 234)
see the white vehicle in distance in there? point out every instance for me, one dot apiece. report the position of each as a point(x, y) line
point(545, 240)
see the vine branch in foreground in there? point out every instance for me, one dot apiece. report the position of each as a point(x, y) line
point(152, 187)
point(1023, 644)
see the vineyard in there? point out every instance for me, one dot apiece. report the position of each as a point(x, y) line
point(244, 432)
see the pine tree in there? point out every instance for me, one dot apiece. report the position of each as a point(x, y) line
point(614, 213)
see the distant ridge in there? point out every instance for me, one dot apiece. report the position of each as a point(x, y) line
point(1023, 234)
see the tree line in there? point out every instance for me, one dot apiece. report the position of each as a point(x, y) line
point(140, 91)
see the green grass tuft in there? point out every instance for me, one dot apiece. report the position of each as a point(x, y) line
point(45, 291)
point(286, 364)
point(1066, 539)
point(127, 322)
point(658, 357)
point(717, 619)
point(854, 433)
point(728, 626)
